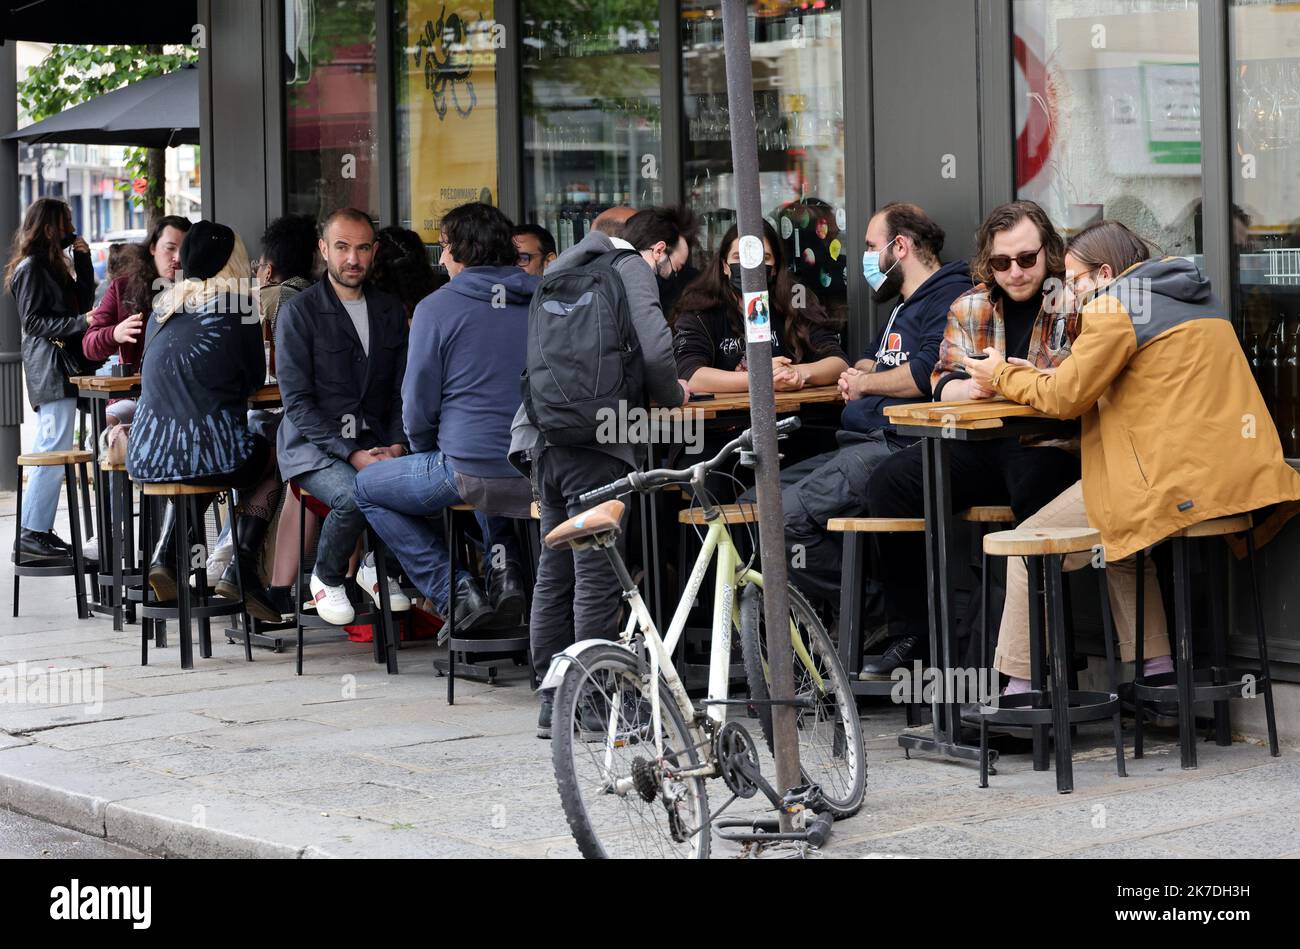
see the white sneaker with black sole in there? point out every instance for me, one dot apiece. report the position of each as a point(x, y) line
point(332, 603)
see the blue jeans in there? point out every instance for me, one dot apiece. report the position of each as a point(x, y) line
point(55, 421)
point(335, 486)
point(402, 498)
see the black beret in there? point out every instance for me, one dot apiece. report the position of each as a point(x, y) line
point(206, 249)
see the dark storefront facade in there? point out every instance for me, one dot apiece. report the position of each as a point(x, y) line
point(1180, 118)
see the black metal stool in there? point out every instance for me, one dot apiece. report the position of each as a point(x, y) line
point(484, 646)
point(856, 530)
point(1044, 549)
point(1218, 683)
point(120, 572)
point(184, 612)
point(383, 633)
point(70, 461)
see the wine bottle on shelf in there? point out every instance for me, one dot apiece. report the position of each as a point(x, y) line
point(1291, 408)
point(1274, 357)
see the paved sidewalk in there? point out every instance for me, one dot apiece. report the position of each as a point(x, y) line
point(236, 759)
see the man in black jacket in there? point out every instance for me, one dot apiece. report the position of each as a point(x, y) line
point(903, 269)
point(340, 358)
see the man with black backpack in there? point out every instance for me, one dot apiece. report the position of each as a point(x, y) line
point(597, 343)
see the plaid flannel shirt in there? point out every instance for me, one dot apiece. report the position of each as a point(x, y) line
point(975, 322)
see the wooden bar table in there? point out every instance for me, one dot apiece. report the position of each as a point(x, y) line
point(939, 424)
point(98, 391)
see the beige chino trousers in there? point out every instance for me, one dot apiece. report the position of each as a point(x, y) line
point(1067, 510)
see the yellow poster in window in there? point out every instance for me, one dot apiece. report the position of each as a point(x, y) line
point(449, 102)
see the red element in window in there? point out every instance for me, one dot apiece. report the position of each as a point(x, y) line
point(1034, 143)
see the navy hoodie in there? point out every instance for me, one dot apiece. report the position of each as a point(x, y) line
point(469, 343)
point(911, 337)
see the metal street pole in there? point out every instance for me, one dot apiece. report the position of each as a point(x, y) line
point(12, 395)
point(758, 354)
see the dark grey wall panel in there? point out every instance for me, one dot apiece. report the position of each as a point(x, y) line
point(242, 140)
point(926, 111)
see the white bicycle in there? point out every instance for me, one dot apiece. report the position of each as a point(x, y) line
point(632, 752)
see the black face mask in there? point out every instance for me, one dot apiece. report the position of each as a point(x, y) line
point(66, 241)
point(893, 284)
point(736, 275)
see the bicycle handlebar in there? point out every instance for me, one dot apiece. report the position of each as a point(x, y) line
point(643, 482)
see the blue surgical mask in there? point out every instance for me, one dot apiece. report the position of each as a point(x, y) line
point(871, 269)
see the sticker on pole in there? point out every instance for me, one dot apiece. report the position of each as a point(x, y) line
point(751, 252)
point(758, 321)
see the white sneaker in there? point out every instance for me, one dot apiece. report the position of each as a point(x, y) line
point(332, 603)
point(90, 549)
point(218, 560)
point(368, 580)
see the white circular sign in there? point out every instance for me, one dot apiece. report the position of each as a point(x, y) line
point(840, 218)
point(751, 252)
point(787, 227)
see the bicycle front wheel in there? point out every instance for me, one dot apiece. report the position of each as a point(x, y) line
point(620, 798)
point(831, 752)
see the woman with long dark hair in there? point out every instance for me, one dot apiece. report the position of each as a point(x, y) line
point(402, 267)
point(117, 323)
point(709, 326)
point(51, 296)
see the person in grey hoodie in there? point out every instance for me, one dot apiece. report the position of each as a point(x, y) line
point(467, 348)
point(577, 593)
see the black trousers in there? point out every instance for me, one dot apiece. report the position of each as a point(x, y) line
point(577, 595)
point(999, 472)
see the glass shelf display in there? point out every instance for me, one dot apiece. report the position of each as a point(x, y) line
point(591, 112)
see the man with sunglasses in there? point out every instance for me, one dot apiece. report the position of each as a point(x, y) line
point(1018, 267)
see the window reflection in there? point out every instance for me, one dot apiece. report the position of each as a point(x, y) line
point(591, 111)
point(1108, 115)
point(799, 117)
point(330, 105)
point(1265, 48)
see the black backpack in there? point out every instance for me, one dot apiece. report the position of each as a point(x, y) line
point(583, 352)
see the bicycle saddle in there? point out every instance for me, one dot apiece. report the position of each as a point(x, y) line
point(601, 519)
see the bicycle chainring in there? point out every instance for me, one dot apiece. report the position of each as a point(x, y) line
point(737, 759)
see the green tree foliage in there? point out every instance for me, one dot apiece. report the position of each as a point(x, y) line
point(70, 75)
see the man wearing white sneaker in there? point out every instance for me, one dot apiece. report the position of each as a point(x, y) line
point(340, 358)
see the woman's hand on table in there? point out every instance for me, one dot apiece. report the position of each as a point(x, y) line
point(788, 379)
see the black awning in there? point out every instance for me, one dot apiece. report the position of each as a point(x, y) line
point(152, 113)
point(139, 22)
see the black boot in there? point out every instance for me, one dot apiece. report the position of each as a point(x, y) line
point(162, 566)
point(506, 593)
point(252, 532)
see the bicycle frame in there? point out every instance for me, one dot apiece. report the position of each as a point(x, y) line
point(729, 580)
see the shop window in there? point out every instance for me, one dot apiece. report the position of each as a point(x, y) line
point(798, 73)
point(330, 105)
point(591, 111)
point(1264, 48)
point(446, 95)
point(1108, 115)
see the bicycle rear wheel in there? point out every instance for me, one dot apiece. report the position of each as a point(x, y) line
point(831, 752)
point(619, 799)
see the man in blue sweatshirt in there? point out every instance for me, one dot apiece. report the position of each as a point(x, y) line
point(466, 352)
point(902, 260)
